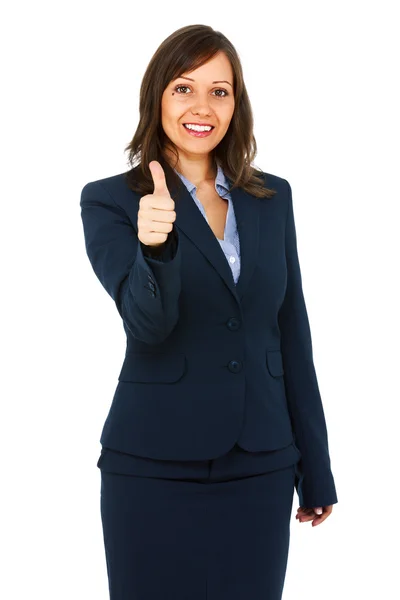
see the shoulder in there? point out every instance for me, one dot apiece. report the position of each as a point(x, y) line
point(111, 183)
point(113, 189)
point(280, 186)
point(275, 181)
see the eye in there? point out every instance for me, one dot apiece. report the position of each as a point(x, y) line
point(217, 90)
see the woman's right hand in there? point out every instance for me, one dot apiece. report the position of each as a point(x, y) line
point(156, 213)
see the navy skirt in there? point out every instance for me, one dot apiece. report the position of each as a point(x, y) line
point(197, 530)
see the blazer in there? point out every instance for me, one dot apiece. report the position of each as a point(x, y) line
point(209, 363)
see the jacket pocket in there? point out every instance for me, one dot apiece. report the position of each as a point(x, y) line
point(275, 363)
point(152, 367)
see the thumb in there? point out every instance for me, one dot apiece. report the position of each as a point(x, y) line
point(158, 175)
point(318, 510)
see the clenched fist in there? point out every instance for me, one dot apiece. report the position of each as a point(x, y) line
point(156, 211)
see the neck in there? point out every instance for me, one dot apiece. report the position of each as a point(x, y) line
point(197, 170)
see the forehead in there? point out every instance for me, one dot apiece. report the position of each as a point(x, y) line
point(218, 67)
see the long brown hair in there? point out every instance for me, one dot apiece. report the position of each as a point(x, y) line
point(183, 51)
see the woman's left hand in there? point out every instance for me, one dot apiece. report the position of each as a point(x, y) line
point(316, 515)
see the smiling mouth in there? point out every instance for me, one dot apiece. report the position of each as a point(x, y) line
point(202, 133)
point(212, 126)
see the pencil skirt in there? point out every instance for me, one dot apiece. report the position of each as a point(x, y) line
point(197, 530)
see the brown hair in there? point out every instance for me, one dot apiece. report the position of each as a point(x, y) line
point(183, 51)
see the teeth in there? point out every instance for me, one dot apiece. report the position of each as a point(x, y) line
point(198, 127)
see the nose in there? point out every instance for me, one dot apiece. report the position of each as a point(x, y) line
point(201, 105)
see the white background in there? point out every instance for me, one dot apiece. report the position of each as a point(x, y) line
point(323, 82)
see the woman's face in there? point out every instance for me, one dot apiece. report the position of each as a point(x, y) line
point(204, 95)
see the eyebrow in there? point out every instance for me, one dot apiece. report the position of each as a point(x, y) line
point(189, 78)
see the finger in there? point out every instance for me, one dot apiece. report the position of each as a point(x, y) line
point(315, 520)
point(319, 510)
point(163, 216)
point(158, 175)
point(309, 514)
point(304, 519)
point(157, 227)
point(319, 520)
point(305, 514)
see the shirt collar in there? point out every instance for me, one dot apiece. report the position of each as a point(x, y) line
point(219, 180)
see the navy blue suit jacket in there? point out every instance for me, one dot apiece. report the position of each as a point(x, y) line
point(209, 363)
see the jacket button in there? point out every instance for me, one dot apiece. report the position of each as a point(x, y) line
point(233, 324)
point(235, 366)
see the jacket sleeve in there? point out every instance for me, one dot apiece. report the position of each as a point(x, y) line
point(314, 480)
point(165, 252)
point(144, 288)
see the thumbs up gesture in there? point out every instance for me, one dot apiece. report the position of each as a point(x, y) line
point(156, 213)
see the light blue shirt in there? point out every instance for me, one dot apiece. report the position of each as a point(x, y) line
point(230, 245)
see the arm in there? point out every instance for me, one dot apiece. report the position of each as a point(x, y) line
point(315, 484)
point(146, 290)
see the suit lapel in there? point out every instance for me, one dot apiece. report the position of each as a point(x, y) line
point(247, 212)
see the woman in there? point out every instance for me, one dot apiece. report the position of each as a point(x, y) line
point(217, 414)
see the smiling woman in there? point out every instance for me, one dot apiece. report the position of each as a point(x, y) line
point(195, 77)
point(216, 416)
